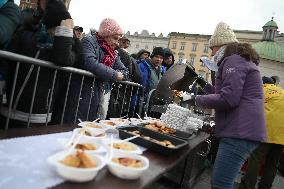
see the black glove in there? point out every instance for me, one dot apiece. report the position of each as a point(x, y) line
point(201, 81)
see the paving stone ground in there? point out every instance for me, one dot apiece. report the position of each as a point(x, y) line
point(203, 182)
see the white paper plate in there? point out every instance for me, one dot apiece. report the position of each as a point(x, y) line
point(136, 151)
point(75, 174)
point(100, 147)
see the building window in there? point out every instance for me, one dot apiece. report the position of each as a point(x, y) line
point(194, 47)
point(28, 1)
point(174, 45)
point(206, 48)
point(182, 46)
point(202, 63)
point(180, 58)
point(192, 60)
point(146, 46)
point(137, 46)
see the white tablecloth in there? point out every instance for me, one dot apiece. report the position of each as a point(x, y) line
point(23, 161)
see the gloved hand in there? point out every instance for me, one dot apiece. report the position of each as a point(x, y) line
point(187, 96)
point(201, 81)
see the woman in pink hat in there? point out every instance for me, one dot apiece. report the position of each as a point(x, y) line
point(99, 57)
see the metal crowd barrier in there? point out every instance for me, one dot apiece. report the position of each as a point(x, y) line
point(125, 91)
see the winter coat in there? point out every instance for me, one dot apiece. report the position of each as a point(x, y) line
point(238, 100)
point(9, 19)
point(130, 64)
point(26, 43)
point(62, 83)
point(92, 55)
point(145, 69)
point(274, 109)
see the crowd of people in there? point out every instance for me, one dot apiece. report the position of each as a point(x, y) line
point(248, 107)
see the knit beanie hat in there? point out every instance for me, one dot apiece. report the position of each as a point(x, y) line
point(142, 51)
point(168, 53)
point(223, 35)
point(55, 12)
point(158, 51)
point(109, 27)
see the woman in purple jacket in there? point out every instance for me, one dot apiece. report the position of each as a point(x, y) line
point(238, 102)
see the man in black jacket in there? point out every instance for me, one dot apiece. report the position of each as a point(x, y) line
point(51, 41)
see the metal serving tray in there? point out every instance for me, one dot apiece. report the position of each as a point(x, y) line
point(179, 134)
point(178, 143)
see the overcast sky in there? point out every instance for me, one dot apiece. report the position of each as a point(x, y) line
point(187, 16)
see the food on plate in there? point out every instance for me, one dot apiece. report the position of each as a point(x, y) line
point(177, 93)
point(71, 160)
point(121, 120)
point(161, 142)
point(85, 132)
point(85, 146)
point(134, 132)
point(128, 162)
point(79, 160)
point(109, 123)
point(166, 143)
point(123, 146)
point(161, 127)
point(100, 135)
point(93, 125)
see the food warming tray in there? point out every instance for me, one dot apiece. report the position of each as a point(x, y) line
point(179, 134)
point(178, 143)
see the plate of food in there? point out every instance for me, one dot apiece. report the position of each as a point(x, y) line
point(86, 144)
point(120, 146)
point(128, 166)
point(92, 125)
point(120, 121)
point(110, 125)
point(77, 166)
point(91, 133)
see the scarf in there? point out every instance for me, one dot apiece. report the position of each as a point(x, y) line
point(44, 39)
point(219, 55)
point(109, 53)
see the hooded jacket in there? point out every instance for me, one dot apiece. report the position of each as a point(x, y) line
point(238, 100)
point(274, 108)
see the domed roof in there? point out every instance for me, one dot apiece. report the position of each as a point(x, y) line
point(145, 33)
point(271, 23)
point(270, 50)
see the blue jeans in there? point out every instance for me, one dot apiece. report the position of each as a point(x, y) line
point(231, 155)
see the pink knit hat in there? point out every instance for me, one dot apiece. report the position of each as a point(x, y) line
point(109, 27)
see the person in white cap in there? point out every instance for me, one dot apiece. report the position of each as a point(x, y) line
point(238, 102)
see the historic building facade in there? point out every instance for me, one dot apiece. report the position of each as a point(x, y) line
point(271, 52)
point(146, 41)
point(188, 48)
point(248, 36)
